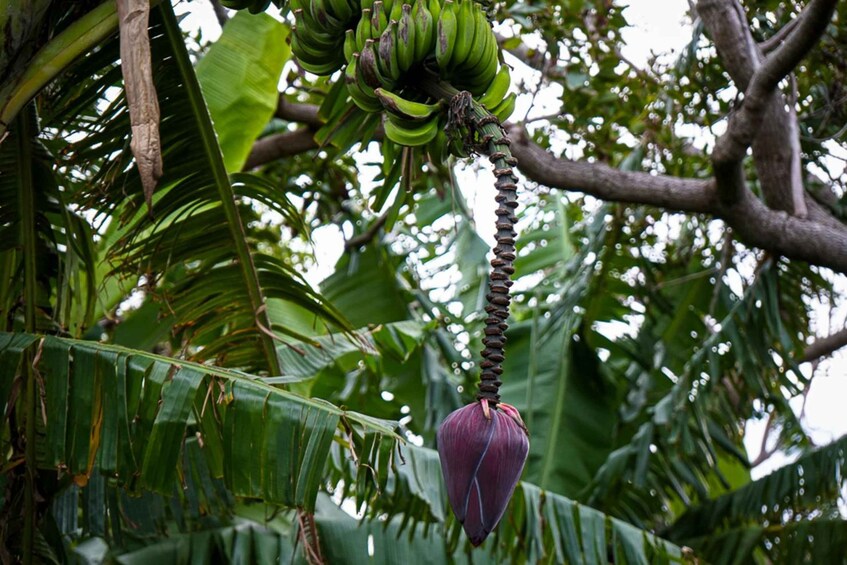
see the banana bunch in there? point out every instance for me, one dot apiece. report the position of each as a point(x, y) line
point(388, 45)
point(317, 36)
point(394, 41)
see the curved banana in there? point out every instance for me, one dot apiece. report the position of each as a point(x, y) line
point(481, 36)
point(363, 30)
point(411, 134)
point(406, 39)
point(406, 109)
point(503, 110)
point(321, 14)
point(389, 65)
point(368, 67)
point(424, 30)
point(379, 20)
point(315, 58)
point(497, 89)
point(253, 6)
point(434, 7)
point(360, 92)
point(446, 38)
point(464, 33)
point(477, 80)
point(395, 10)
point(349, 44)
point(341, 10)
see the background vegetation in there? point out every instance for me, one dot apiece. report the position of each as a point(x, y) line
point(174, 390)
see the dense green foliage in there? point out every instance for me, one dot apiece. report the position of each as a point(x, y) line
point(174, 390)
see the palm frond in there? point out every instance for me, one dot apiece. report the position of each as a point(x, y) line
point(805, 488)
point(126, 413)
point(198, 250)
point(806, 541)
point(539, 525)
point(60, 244)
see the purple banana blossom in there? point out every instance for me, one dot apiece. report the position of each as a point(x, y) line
point(482, 452)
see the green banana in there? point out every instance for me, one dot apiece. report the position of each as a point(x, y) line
point(321, 15)
point(424, 30)
point(481, 36)
point(478, 79)
point(366, 5)
point(308, 47)
point(317, 58)
point(254, 6)
point(411, 134)
point(405, 109)
point(395, 11)
point(434, 7)
point(497, 89)
point(388, 62)
point(320, 69)
point(406, 39)
point(349, 44)
point(465, 28)
point(367, 65)
point(341, 10)
point(446, 38)
point(363, 30)
point(503, 110)
point(379, 21)
point(372, 68)
point(360, 92)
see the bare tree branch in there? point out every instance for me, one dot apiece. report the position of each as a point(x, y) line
point(760, 98)
point(306, 114)
point(776, 39)
point(813, 23)
point(757, 225)
point(824, 346)
point(280, 145)
point(533, 58)
point(602, 181)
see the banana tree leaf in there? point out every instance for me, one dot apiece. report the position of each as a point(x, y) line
point(129, 412)
point(798, 487)
point(568, 404)
point(240, 80)
point(366, 288)
point(539, 525)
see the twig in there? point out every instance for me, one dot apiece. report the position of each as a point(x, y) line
point(776, 39)
point(366, 236)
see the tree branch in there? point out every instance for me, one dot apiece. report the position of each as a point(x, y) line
point(741, 56)
point(756, 224)
point(776, 39)
point(367, 236)
point(280, 145)
point(824, 346)
point(604, 182)
point(815, 242)
point(306, 114)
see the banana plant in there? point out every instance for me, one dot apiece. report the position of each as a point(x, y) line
point(230, 412)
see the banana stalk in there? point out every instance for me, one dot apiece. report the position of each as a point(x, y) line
point(496, 144)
